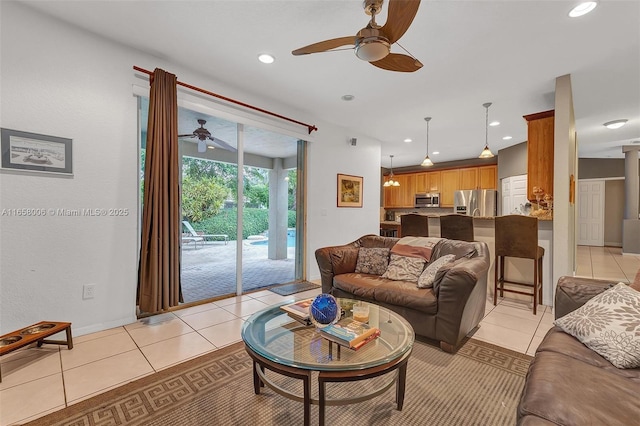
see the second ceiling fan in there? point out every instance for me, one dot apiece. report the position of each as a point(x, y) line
point(373, 42)
point(204, 136)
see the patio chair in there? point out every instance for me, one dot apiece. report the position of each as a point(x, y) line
point(199, 234)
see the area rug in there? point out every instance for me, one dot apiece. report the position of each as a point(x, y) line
point(479, 385)
point(288, 289)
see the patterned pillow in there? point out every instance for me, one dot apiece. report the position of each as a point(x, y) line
point(429, 274)
point(372, 261)
point(609, 324)
point(404, 268)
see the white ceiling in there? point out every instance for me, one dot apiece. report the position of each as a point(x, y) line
point(505, 52)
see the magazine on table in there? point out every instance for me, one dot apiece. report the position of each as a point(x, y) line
point(350, 333)
point(298, 310)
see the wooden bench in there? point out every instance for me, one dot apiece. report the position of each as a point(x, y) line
point(35, 333)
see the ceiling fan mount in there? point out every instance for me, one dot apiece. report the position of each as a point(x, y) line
point(373, 43)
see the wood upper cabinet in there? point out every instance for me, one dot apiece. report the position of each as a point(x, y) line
point(540, 129)
point(488, 177)
point(449, 180)
point(427, 182)
point(402, 196)
point(421, 182)
point(468, 178)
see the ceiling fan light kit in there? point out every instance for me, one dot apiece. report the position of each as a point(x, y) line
point(486, 152)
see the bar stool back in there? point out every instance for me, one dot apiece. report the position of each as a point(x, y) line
point(517, 236)
point(415, 225)
point(456, 227)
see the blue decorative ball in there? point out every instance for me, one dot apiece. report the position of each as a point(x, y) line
point(324, 310)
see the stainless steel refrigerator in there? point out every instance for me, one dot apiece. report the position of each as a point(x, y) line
point(476, 202)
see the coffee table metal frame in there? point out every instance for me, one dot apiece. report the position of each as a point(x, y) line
point(326, 373)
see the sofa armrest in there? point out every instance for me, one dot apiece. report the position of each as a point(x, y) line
point(573, 292)
point(335, 261)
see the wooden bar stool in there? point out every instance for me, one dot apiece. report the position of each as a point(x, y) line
point(456, 227)
point(415, 225)
point(517, 236)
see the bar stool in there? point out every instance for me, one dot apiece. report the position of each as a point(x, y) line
point(517, 236)
point(415, 225)
point(456, 227)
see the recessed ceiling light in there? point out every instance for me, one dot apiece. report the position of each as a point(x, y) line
point(615, 124)
point(494, 123)
point(265, 58)
point(347, 97)
point(435, 152)
point(506, 138)
point(407, 140)
point(583, 8)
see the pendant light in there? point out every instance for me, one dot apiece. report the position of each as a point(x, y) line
point(486, 152)
point(390, 181)
point(427, 161)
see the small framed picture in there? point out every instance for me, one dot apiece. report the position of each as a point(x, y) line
point(349, 191)
point(33, 152)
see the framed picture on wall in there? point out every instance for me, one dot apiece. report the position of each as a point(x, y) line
point(349, 191)
point(33, 152)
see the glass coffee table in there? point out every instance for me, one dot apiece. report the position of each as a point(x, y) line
point(278, 343)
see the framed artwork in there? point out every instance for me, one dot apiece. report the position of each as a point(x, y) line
point(33, 152)
point(349, 191)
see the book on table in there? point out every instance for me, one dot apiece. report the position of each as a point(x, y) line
point(298, 310)
point(350, 333)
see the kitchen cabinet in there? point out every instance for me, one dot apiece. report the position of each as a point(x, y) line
point(468, 178)
point(488, 177)
point(427, 182)
point(540, 128)
point(402, 196)
point(449, 184)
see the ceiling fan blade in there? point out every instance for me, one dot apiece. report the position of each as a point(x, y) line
point(202, 146)
point(325, 45)
point(190, 135)
point(399, 18)
point(223, 145)
point(398, 62)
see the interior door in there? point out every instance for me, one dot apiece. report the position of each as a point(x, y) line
point(591, 213)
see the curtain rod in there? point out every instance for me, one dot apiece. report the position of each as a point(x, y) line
point(310, 127)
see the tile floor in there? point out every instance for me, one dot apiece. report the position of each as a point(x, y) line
point(37, 381)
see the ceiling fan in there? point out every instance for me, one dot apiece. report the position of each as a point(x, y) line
point(373, 42)
point(203, 135)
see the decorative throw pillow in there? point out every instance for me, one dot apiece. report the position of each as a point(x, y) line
point(404, 268)
point(415, 246)
point(372, 261)
point(429, 274)
point(609, 324)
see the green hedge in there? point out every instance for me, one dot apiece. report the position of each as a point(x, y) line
point(256, 221)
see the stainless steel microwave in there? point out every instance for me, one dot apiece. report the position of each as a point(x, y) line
point(429, 199)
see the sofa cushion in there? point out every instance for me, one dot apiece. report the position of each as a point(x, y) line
point(415, 247)
point(372, 261)
point(428, 276)
point(458, 248)
point(609, 324)
point(407, 295)
point(404, 268)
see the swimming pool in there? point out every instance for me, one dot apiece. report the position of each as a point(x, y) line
point(291, 240)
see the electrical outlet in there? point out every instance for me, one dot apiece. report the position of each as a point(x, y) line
point(88, 291)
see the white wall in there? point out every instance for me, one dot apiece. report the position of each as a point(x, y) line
point(62, 81)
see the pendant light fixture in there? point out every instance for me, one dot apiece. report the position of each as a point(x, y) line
point(390, 181)
point(486, 152)
point(427, 161)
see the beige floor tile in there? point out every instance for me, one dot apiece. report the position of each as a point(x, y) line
point(29, 364)
point(523, 310)
point(94, 350)
point(275, 299)
point(208, 318)
point(261, 293)
point(513, 322)
point(195, 309)
point(232, 300)
point(156, 332)
point(306, 294)
point(98, 335)
point(30, 399)
point(507, 338)
point(245, 308)
point(154, 319)
point(89, 379)
point(224, 334)
point(542, 329)
point(178, 349)
point(533, 346)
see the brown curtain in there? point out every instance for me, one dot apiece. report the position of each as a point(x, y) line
point(159, 269)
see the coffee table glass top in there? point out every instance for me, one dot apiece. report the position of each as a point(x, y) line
point(274, 335)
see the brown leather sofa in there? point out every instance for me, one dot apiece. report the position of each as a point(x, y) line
point(446, 313)
point(568, 383)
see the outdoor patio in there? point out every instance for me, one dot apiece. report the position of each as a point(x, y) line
point(209, 270)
